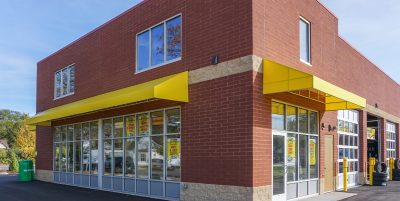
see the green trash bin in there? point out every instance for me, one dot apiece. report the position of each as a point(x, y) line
point(25, 170)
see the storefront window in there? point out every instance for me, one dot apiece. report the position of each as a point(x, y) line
point(314, 157)
point(303, 157)
point(130, 157)
point(143, 146)
point(292, 157)
point(278, 116)
point(291, 118)
point(143, 157)
point(303, 121)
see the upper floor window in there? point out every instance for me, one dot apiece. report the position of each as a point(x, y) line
point(305, 41)
point(64, 82)
point(159, 45)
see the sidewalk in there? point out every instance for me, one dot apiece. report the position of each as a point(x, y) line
point(391, 192)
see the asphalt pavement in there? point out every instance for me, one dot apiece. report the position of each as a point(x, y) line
point(13, 190)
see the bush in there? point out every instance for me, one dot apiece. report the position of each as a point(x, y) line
point(3, 157)
point(12, 155)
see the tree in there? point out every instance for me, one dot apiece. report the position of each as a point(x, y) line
point(25, 143)
point(10, 124)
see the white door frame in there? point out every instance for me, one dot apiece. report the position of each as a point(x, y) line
point(283, 196)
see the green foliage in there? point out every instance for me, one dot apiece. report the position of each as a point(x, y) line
point(25, 143)
point(13, 157)
point(3, 157)
point(10, 124)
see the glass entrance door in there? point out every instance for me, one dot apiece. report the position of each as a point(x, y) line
point(279, 166)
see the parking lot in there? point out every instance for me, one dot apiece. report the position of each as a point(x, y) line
point(13, 190)
point(391, 192)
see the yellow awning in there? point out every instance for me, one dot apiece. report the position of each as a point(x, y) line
point(174, 87)
point(280, 78)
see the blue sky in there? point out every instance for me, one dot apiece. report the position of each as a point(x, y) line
point(33, 29)
point(373, 28)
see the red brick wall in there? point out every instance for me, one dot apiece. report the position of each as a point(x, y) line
point(44, 148)
point(105, 58)
point(363, 141)
point(217, 133)
point(276, 37)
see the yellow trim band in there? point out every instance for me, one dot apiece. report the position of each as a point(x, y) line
point(174, 87)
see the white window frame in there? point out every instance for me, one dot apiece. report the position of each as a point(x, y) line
point(165, 46)
point(309, 41)
point(390, 129)
point(68, 82)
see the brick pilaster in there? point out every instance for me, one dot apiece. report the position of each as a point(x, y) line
point(362, 147)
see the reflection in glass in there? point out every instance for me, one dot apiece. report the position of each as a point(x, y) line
point(143, 157)
point(93, 156)
point(70, 148)
point(77, 157)
point(303, 157)
point(279, 164)
point(157, 157)
point(57, 137)
point(313, 147)
point(70, 133)
point(64, 133)
point(77, 131)
point(291, 160)
point(157, 122)
point(313, 122)
point(107, 128)
point(174, 38)
point(118, 157)
point(63, 157)
point(130, 157)
point(143, 124)
point(174, 157)
point(107, 157)
point(173, 121)
point(130, 126)
point(85, 131)
point(291, 118)
point(85, 157)
point(143, 55)
point(118, 127)
point(303, 121)
point(278, 118)
point(65, 81)
point(58, 84)
point(57, 156)
point(157, 45)
point(71, 79)
point(94, 130)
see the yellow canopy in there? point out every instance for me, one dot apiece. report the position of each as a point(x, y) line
point(280, 78)
point(174, 87)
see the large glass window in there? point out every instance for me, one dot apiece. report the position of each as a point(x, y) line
point(160, 44)
point(278, 116)
point(305, 38)
point(300, 127)
point(145, 146)
point(85, 149)
point(64, 82)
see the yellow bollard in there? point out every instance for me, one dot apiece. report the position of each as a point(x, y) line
point(371, 170)
point(345, 174)
point(391, 166)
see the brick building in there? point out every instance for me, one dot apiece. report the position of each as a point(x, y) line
point(214, 100)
